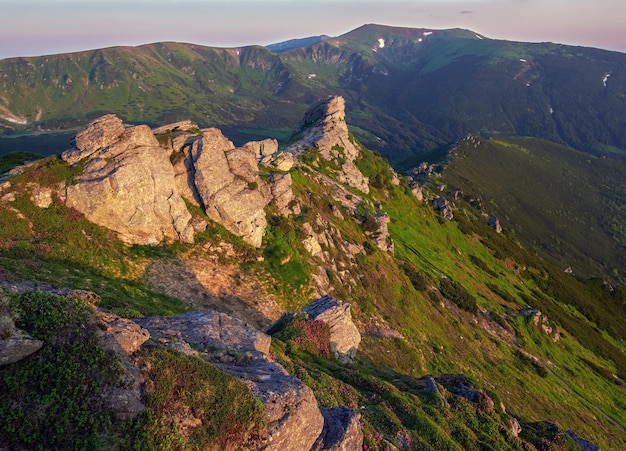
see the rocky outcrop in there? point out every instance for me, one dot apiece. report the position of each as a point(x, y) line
point(282, 194)
point(228, 184)
point(134, 184)
point(324, 128)
point(209, 329)
point(127, 184)
point(416, 190)
point(442, 205)
point(96, 138)
point(342, 431)
point(291, 411)
point(377, 230)
point(344, 335)
point(541, 322)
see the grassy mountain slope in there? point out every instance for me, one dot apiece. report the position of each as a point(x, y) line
point(408, 90)
point(449, 301)
point(565, 204)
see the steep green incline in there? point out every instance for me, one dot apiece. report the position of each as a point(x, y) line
point(564, 204)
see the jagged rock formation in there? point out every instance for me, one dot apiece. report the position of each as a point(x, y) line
point(344, 335)
point(442, 205)
point(127, 183)
point(324, 128)
point(375, 227)
point(135, 184)
point(283, 194)
point(228, 184)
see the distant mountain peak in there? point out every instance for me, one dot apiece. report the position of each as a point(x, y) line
point(283, 46)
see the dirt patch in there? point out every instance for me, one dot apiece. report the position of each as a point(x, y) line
point(205, 284)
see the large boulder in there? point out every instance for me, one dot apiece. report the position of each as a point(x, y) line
point(17, 346)
point(344, 335)
point(127, 184)
point(342, 430)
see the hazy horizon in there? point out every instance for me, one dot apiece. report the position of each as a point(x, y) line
point(43, 27)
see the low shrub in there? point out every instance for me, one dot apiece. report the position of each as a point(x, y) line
point(457, 294)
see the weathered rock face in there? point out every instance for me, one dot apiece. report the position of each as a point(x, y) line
point(282, 194)
point(342, 431)
point(96, 137)
point(293, 416)
point(228, 183)
point(135, 185)
point(324, 127)
point(380, 231)
point(344, 336)
point(211, 329)
point(127, 184)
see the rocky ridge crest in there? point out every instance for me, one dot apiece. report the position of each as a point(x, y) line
point(135, 181)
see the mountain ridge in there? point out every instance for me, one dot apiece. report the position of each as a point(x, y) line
point(422, 90)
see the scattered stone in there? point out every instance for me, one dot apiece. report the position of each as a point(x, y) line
point(585, 445)
point(495, 223)
point(442, 205)
point(515, 428)
point(129, 335)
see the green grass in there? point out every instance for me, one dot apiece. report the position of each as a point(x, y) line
point(188, 387)
point(555, 199)
point(57, 392)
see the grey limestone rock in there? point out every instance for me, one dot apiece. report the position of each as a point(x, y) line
point(127, 184)
point(291, 411)
point(342, 431)
point(344, 335)
point(324, 128)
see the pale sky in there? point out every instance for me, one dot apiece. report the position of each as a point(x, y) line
point(41, 27)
